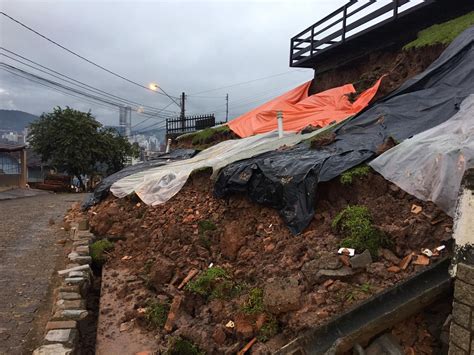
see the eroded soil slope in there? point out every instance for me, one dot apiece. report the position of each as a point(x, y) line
point(268, 282)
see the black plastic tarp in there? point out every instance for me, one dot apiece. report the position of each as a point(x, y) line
point(287, 180)
point(102, 189)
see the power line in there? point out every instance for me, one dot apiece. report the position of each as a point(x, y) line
point(163, 92)
point(72, 80)
point(79, 92)
point(245, 82)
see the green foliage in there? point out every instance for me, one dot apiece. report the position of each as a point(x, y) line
point(254, 303)
point(206, 135)
point(75, 141)
point(366, 287)
point(268, 330)
point(204, 227)
point(360, 171)
point(156, 313)
point(97, 250)
point(443, 33)
point(355, 224)
point(180, 346)
point(214, 283)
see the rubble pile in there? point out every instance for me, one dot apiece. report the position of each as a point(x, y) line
point(226, 273)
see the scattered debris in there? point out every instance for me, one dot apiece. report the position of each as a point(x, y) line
point(427, 252)
point(247, 347)
point(190, 275)
point(346, 251)
point(421, 260)
point(415, 209)
point(406, 261)
point(230, 324)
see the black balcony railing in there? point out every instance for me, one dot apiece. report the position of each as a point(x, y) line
point(349, 21)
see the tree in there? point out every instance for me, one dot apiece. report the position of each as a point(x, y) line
point(76, 142)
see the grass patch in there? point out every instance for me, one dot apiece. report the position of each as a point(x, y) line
point(254, 303)
point(443, 33)
point(355, 224)
point(214, 283)
point(181, 346)
point(206, 136)
point(360, 171)
point(156, 313)
point(268, 330)
point(98, 250)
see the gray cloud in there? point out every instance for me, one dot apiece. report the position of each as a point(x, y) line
point(187, 46)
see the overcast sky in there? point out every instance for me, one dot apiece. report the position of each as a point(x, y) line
point(189, 46)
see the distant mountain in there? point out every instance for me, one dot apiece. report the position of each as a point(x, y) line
point(13, 120)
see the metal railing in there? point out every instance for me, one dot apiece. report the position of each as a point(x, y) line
point(354, 18)
point(188, 124)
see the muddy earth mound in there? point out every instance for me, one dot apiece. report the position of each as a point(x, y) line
point(263, 281)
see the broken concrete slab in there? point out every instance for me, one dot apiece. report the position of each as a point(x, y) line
point(361, 261)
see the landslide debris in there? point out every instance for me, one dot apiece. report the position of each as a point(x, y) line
point(246, 275)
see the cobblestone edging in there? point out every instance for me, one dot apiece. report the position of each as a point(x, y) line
point(62, 331)
point(462, 325)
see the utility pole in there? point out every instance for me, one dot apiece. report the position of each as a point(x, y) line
point(183, 112)
point(226, 107)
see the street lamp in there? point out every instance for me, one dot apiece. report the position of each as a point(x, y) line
point(153, 86)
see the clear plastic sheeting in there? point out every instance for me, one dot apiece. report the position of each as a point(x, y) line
point(157, 185)
point(102, 189)
point(430, 165)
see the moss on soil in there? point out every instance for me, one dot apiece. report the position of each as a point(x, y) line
point(269, 329)
point(180, 346)
point(156, 313)
point(443, 33)
point(98, 250)
point(214, 283)
point(206, 136)
point(360, 171)
point(254, 303)
point(355, 224)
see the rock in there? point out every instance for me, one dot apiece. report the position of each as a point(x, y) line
point(330, 261)
point(80, 259)
point(53, 349)
point(232, 240)
point(282, 295)
point(244, 326)
point(219, 335)
point(162, 271)
point(361, 261)
point(389, 256)
point(65, 336)
point(83, 224)
point(75, 304)
point(65, 324)
point(395, 269)
point(75, 314)
point(385, 344)
point(74, 280)
point(310, 271)
point(69, 296)
point(341, 274)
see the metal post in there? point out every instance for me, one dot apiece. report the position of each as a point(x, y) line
point(183, 112)
point(344, 16)
point(395, 9)
point(226, 107)
point(312, 41)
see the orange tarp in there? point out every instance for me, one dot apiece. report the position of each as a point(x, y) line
point(300, 110)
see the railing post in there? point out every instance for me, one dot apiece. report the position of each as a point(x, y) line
point(344, 16)
point(312, 40)
point(395, 9)
point(291, 51)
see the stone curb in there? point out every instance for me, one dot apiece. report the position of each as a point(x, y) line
point(62, 335)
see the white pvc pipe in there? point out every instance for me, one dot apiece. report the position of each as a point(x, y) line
point(168, 145)
point(280, 124)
